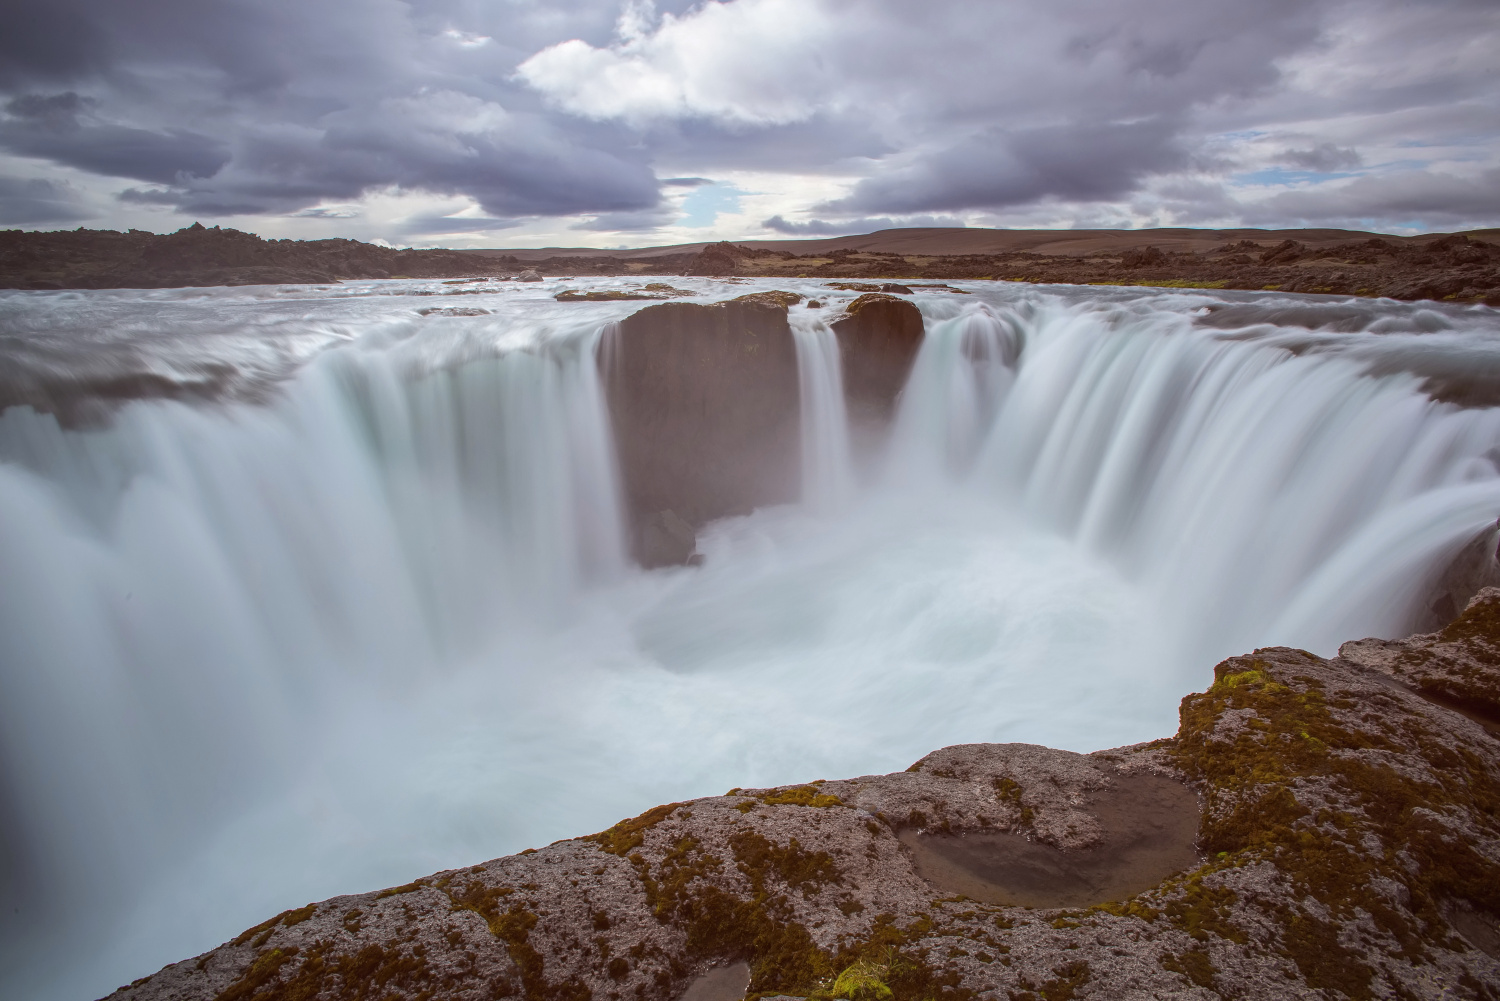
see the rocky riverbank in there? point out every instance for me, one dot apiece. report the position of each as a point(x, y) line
point(1454, 267)
point(1316, 828)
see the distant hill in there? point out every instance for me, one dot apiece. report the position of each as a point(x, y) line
point(93, 258)
point(1460, 267)
point(948, 242)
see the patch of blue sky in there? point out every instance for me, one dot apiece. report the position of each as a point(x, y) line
point(705, 204)
point(1281, 176)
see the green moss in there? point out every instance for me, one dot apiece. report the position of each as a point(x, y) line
point(404, 888)
point(1008, 790)
point(1064, 985)
point(863, 980)
point(1193, 964)
point(800, 796)
point(298, 916)
point(628, 835)
point(375, 972)
point(513, 927)
point(256, 976)
point(1254, 815)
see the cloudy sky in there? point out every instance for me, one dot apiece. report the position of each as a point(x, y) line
point(609, 123)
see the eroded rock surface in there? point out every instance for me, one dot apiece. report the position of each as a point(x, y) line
point(1458, 666)
point(1348, 846)
point(705, 409)
point(879, 336)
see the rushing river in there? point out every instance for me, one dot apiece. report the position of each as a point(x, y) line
point(345, 599)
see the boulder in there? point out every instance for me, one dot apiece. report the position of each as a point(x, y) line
point(528, 276)
point(879, 336)
point(717, 259)
point(665, 540)
point(704, 404)
point(1148, 257)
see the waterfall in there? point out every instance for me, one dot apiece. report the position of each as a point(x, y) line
point(1266, 495)
point(369, 614)
point(827, 470)
point(188, 594)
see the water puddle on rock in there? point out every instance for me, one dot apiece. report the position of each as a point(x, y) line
point(720, 983)
point(1149, 824)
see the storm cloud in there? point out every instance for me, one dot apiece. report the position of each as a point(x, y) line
point(448, 120)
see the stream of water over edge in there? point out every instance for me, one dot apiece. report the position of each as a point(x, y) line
point(355, 607)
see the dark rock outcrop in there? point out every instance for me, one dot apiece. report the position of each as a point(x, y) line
point(704, 404)
point(1348, 846)
point(879, 336)
point(715, 260)
point(663, 539)
point(1144, 258)
point(200, 256)
point(1458, 666)
point(1475, 567)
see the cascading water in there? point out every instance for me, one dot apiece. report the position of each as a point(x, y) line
point(368, 615)
point(827, 470)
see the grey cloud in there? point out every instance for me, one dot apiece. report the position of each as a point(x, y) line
point(814, 227)
point(272, 107)
point(1440, 200)
point(49, 42)
point(686, 182)
point(28, 201)
point(433, 225)
point(627, 222)
point(52, 127)
point(1324, 157)
point(864, 224)
point(996, 169)
point(1076, 109)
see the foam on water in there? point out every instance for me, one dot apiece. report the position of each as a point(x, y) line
point(365, 614)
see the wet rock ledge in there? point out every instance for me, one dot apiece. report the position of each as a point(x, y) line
point(1316, 828)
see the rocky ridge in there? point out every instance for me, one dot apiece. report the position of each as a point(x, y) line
point(1348, 846)
point(200, 256)
point(1455, 267)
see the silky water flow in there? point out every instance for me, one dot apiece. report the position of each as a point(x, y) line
point(358, 608)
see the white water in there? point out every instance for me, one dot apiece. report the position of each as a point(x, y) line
point(827, 464)
point(375, 621)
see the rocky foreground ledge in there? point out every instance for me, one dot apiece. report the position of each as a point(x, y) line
point(1316, 828)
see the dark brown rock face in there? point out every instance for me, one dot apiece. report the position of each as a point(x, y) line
point(704, 404)
point(878, 342)
point(1475, 567)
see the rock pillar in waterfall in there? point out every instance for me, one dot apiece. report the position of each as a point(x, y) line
point(879, 336)
point(704, 404)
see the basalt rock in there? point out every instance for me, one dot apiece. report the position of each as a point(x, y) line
point(715, 260)
point(1315, 829)
point(879, 336)
point(1457, 666)
point(1475, 567)
point(664, 539)
point(704, 404)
